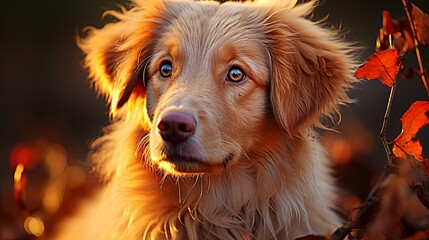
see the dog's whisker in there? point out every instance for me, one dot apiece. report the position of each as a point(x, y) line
point(192, 188)
point(140, 140)
point(179, 190)
point(234, 142)
point(146, 59)
point(140, 143)
point(209, 183)
point(200, 196)
point(161, 182)
point(142, 149)
point(146, 155)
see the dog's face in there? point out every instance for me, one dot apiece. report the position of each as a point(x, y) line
point(207, 89)
point(212, 76)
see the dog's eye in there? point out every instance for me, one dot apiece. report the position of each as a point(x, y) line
point(236, 74)
point(166, 69)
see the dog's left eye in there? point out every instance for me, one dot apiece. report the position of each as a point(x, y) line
point(166, 69)
point(236, 74)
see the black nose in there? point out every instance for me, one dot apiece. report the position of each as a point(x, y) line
point(176, 126)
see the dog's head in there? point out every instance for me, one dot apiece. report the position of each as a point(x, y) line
point(214, 77)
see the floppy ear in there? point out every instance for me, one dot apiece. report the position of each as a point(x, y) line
point(311, 69)
point(117, 54)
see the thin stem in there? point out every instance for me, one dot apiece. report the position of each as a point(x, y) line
point(422, 74)
point(382, 134)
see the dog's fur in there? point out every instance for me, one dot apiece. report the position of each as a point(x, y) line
point(254, 168)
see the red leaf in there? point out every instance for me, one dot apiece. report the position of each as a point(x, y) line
point(390, 25)
point(414, 119)
point(383, 65)
point(421, 24)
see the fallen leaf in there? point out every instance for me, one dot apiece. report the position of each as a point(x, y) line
point(406, 144)
point(421, 24)
point(383, 65)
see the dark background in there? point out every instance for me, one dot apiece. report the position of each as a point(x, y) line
point(44, 93)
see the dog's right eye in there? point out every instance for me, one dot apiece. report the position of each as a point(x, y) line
point(166, 69)
point(236, 74)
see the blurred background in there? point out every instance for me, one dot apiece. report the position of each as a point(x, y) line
point(50, 115)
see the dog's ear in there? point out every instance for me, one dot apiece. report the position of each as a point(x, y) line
point(116, 55)
point(311, 69)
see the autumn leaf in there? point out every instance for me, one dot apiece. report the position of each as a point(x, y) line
point(421, 24)
point(383, 65)
point(391, 26)
point(400, 30)
point(406, 144)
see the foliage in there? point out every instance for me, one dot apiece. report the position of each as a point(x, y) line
point(404, 184)
point(406, 174)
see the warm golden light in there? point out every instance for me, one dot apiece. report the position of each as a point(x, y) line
point(168, 167)
point(52, 199)
point(34, 226)
point(17, 176)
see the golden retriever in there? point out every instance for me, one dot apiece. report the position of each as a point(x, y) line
point(214, 110)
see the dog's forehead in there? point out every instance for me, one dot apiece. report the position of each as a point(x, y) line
point(209, 24)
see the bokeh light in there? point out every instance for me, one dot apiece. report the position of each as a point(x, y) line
point(34, 226)
point(52, 199)
point(55, 159)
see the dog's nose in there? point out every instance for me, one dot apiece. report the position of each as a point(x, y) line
point(176, 126)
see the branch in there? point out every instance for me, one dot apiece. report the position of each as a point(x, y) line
point(407, 7)
point(382, 134)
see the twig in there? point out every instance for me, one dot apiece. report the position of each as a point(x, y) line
point(382, 134)
point(407, 7)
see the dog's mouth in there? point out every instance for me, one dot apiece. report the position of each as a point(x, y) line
point(182, 165)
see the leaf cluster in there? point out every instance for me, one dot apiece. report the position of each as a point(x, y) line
point(403, 186)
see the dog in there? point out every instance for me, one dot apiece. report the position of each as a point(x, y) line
point(214, 110)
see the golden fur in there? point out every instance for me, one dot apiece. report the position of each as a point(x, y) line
point(276, 183)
